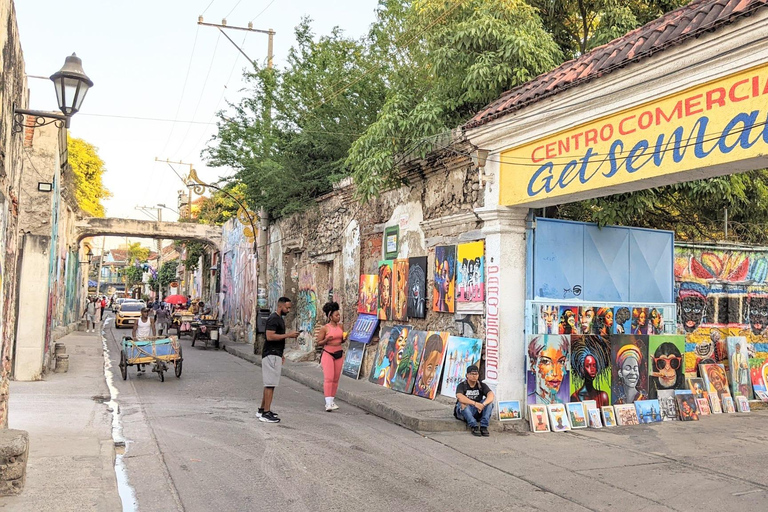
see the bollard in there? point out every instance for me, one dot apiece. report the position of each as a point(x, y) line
point(14, 450)
point(60, 348)
point(62, 363)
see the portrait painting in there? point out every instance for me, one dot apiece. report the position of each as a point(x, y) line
point(428, 376)
point(691, 305)
point(353, 359)
point(577, 415)
point(666, 365)
point(686, 406)
point(417, 287)
point(629, 368)
point(591, 369)
point(460, 353)
point(406, 360)
point(728, 404)
point(548, 365)
point(368, 294)
point(385, 290)
point(648, 411)
point(698, 388)
point(715, 379)
point(400, 290)
point(715, 404)
point(656, 321)
point(703, 405)
point(538, 418)
point(443, 292)
point(594, 418)
point(640, 321)
point(587, 320)
point(558, 418)
point(392, 341)
point(509, 410)
point(568, 322)
point(626, 414)
point(603, 322)
point(742, 403)
point(738, 365)
point(609, 415)
point(622, 320)
point(377, 372)
point(668, 404)
point(758, 367)
point(470, 272)
point(549, 316)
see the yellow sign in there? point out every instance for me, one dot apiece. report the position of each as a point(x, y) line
point(708, 128)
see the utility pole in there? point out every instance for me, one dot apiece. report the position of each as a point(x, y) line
point(101, 264)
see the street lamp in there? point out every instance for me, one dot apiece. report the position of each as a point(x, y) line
point(89, 257)
point(71, 84)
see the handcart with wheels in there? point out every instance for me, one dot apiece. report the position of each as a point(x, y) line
point(158, 352)
point(183, 324)
point(206, 329)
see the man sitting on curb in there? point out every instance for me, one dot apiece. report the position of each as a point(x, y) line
point(474, 401)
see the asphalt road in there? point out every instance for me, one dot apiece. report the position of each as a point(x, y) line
point(195, 444)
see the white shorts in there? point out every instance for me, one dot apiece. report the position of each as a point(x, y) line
point(90, 318)
point(271, 367)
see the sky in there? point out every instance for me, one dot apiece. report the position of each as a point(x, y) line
point(150, 59)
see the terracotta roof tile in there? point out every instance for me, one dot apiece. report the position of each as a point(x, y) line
point(691, 21)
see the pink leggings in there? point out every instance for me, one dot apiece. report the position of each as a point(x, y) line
point(331, 372)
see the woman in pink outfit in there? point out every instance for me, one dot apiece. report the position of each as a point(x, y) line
point(331, 337)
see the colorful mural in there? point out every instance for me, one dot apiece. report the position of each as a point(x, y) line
point(238, 279)
point(275, 275)
point(306, 306)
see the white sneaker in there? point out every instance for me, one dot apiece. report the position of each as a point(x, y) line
point(328, 408)
point(334, 406)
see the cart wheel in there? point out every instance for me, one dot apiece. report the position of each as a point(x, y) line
point(178, 364)
point(123, 365)
point(162, 376)
point(194, 338)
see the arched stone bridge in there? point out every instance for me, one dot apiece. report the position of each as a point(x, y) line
point(95, 226)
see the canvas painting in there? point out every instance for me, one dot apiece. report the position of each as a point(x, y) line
point(443, 293)
point(629, 368)
point(622, 320)
point(715, 405)
point(538, 418)
point(428, 376)
point(609, 416)
point(548, 365)
point(666, 367)
point(470, 272)
point(549, 316)
point(363, 328)
point(353, 359)
point(460, 353)
point(568, 322)
point(417, 287)
point(703, 405)
point(626, 414)
point(603, 322)
point(656, 321)
point(587, 319)
point(668, 405)
point(385, 290)
point(648, 411)
point(728, 404)
point(640, 321)
point(757, 368)
point(591, 369)
point(392, 341)
point(698, 388)
point(368, 294)
point(762, 395)
point(590, 404)
point(594, 418)
point(686, 406)
point(742, 403)
point(510, 410)
point(715, 380)
point(558, 417)
point(400, 290)
point(577, 415)
point(406, 361)
point(700, 348)
point(738, 364)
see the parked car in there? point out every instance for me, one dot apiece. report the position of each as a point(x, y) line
point(116, 304)
point(128, 313)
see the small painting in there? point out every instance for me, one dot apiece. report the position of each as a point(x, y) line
point(590, 404)
point(391, 242)
point(742, 403)
point(757, 368)
point(602, 325)
point(715, 379)
point(668, 404)
point(738, 363)
point(537, 417)
point(622, 320)
point(470, 272)
point(640, 321)
point(656, 321)
point(715, 405)
point(703, 405)
point(587, 320)
point(626, 414)
point(558, 417)
point(385, 290)
point(368, 298)
point(460, 353)
point(443, 293)
point(666, 368)
point(648, 411)
point(591, 369)
point(728, 404)
point(400, 290)
point(609, 415)
point(353, 359)
point(406, 362)
point(428, 376)
point(697, 387)
point(549, 316)
point(417, 287)
point(686, 406)
point(762, 396)
point(548, 369)
point(629, 368)
point(577, 415)
point(363, 328)
point(509, 410)
point(594, 418)
point(568, 322)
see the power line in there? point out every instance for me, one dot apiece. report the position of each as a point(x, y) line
point(209, 5)
point(233, 9)
point(262, 11)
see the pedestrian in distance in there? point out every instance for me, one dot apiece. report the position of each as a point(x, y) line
point(474, 402)
point(331, 337)
point(90, 315)
point(272, 358)
point(162, 320)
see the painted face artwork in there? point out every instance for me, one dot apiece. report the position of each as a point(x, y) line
point(587, 316)
point(758, 314)
point(630, 371)
point(548, 319)
point(691, 311)
point(590, 367)
point(550, 369)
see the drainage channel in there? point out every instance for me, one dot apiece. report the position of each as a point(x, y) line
point(126, 492)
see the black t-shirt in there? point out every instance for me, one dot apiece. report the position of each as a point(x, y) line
point(477, 393)
point(275, 323)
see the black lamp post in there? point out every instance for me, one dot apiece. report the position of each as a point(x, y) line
point(71, 84)
point(89, 257)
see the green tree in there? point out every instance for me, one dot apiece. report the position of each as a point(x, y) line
point(137, 253)
point(133, 275)
point(220, 207)
point(167, 273)
point(88, 169)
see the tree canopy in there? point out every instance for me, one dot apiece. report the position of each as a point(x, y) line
point(137, 253)
point(88, 169)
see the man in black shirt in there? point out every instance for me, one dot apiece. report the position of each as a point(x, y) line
point(272, 358)
point(474, 402)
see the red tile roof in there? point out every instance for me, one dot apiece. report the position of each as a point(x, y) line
point(675, 27)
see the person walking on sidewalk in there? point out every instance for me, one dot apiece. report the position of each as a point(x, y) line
point(474, 401)
point(331, 337)
point(90, 315)
point(272, 358)
point(162, 320)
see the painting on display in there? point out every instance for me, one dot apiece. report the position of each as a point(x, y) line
point(368, 298)
point(629, 368)
point(417, 287)
point(648, 411)
point(656, 321)
point(577, 415)
point(385, 290)
point(703, 405)
point(668, 404)
point(558, 418)
point(548, 363)
point(762, 396)
point(609, 415)
point(548, 319)
point(400, 290)
point(594, 418)
point(443, 293)
point(460, 353)
point(622, 320)
point(728, 404)
point(363, 328)
point(738, 365)
point(538, 418)
point(590, 369)
point(602, 324)
point(470, 275)
point(698, 388)
point(666, 368)
point(702, 347)
point(406, 361)
point(758, 368)
point(626, 414)
point(715, 405)
point(715, 380)
point(510, 410)
point(391, 341)
point(353, 359)
point(587, 320)
point(640, 322)
point(686, 406)
point(568, 320)
point(428, 376)
point(742, 403)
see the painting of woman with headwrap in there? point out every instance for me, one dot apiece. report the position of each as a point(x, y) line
point(666, 368)
point(591, 369)
point(603, 324)
point(629, 375)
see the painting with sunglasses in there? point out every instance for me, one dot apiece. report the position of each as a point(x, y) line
point(666, 368)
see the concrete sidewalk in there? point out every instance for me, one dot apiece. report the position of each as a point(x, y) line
point(71, 452)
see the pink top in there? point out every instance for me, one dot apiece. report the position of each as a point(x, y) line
point(336, 334)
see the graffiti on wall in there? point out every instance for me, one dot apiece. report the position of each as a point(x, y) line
point(275, 276)
point(306, 306)
point(238, 279)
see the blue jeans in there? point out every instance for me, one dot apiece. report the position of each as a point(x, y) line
point(471, 415)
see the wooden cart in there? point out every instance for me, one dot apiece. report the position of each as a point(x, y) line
point(160, 353)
